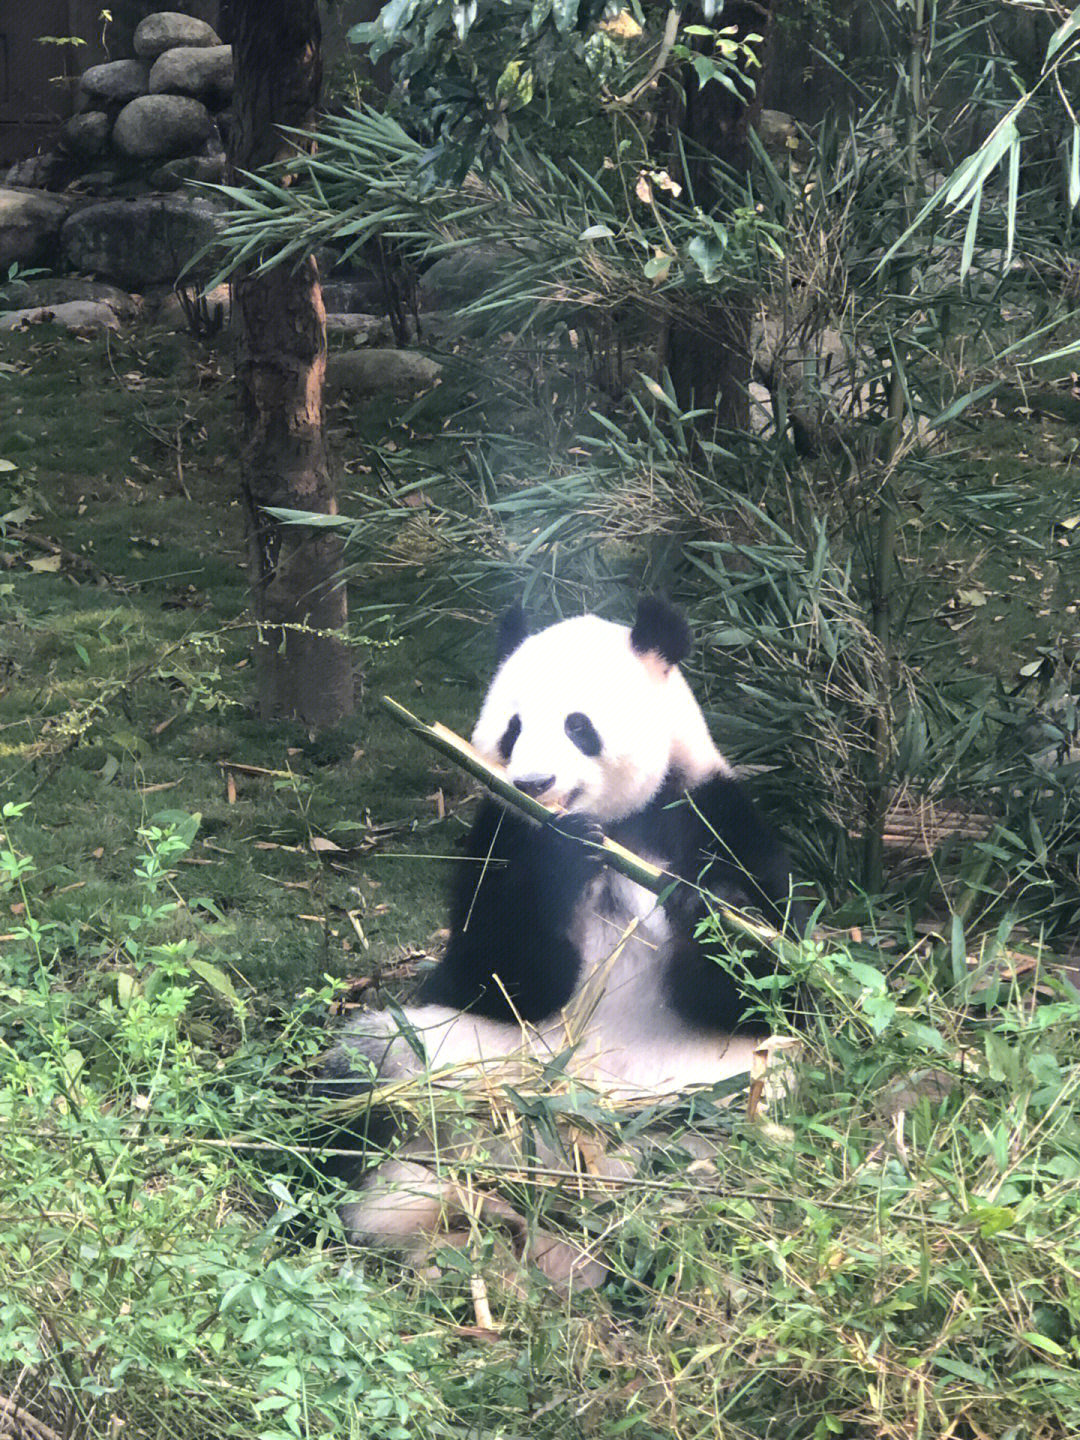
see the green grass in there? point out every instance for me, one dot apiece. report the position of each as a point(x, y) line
point(127, 683)
point(890, 1252)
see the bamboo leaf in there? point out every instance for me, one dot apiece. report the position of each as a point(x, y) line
point(970, 231)
point(958, 951)
point(961, 403)
point(1014, 187)
point(315, 519)
point(1073, 348)
point(967, 183)
point(659, 393)
point(1063, 34)
point(1043, 1342)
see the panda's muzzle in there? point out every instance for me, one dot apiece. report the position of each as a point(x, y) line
point(535, 785)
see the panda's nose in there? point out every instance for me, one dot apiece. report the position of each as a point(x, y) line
point(535, 784)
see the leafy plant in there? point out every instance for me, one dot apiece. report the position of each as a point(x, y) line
point(140, 1285)
point(473, 74)
point(964, 188)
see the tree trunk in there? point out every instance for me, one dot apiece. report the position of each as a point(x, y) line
point(304, 667)
point(709, 358)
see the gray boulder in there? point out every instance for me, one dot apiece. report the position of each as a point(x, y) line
point(154, 127)
point(25, 173)
point(99, 182)
point(400, 373)
point(465, 274)
point(87, 135)
point(73, 314)
point(168, 29)
point(204, 169)
point(364, 329)
point(777, 130)
point(206, 73)
point(348, 295)
point(113, 84)
point(139, 242)
point(48, 292)
point(172, 315)
point(30, 224)
point(40, 172)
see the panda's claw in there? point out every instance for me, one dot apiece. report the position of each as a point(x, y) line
point(586, 838)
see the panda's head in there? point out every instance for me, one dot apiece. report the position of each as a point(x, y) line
point(591, 717)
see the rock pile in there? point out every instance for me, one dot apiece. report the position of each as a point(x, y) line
point(157, 117)
point(145, 124)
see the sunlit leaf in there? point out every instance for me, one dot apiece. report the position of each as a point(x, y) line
point(961, 403)
point(565, 14)
point(970, 231)
point(1043, 1342)
point(707, 253)
point(217, 980)
point(659, 393)
point(1014, 187)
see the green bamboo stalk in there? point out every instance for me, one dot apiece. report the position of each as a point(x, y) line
point(650, 877)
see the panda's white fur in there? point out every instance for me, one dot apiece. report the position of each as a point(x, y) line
point(549, 951)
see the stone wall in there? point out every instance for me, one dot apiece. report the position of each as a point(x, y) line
point(144, 124)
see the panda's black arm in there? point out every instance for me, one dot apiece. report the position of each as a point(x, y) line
point(513, 900)
point(738, 850)
point(717, 841)
point(713, 838)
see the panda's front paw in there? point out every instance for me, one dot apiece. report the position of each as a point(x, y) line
point(580, 840)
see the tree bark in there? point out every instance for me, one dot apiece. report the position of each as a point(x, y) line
point(304, 666)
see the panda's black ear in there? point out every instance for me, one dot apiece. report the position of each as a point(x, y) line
point(513, 628)
point(659, 629)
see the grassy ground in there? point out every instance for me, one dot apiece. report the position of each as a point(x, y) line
point(894, 1255)
point(126, 688)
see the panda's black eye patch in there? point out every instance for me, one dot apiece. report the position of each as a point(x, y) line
point(583, 733)
point(509, 738)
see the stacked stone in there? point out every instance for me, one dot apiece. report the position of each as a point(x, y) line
point(166, 107)
point(146, 124)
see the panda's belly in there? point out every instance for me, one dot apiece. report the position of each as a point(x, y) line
point(626, 1034)
point(623, 936)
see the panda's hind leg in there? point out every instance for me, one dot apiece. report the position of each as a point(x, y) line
point(408, 1207)
point(400, 1201)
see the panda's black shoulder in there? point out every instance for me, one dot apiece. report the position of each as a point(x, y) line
point(713, 835)
point(680, 818)
point(724, 806)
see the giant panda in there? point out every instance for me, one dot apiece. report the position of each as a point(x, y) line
point(550, 950)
